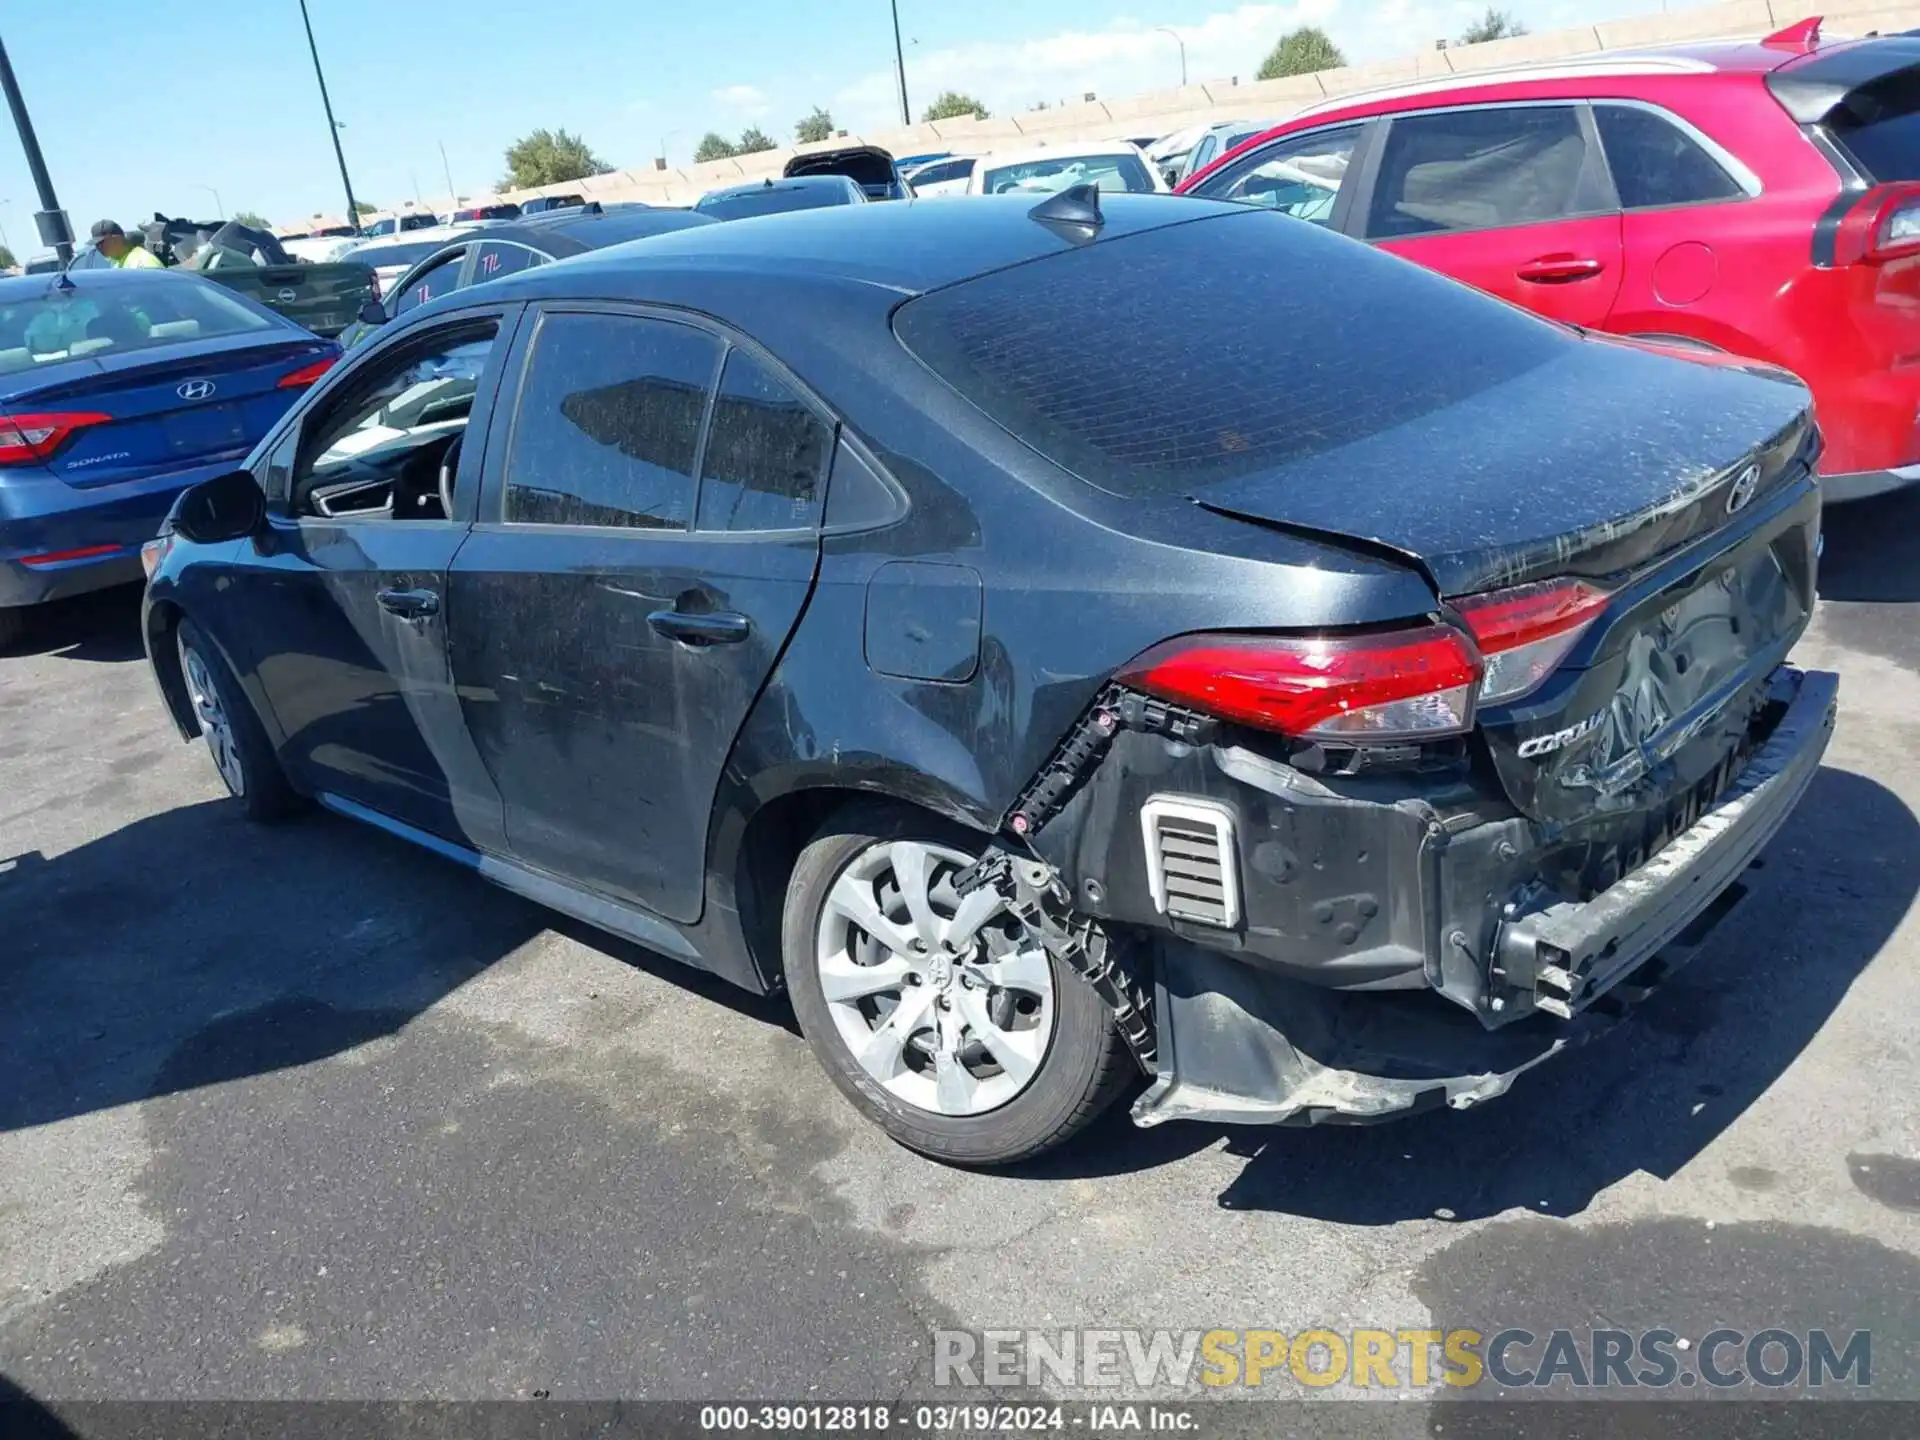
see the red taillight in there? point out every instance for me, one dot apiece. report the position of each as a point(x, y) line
point(61, 557)
point(1526, 632)
point(1420, 683)
point(1401, 685)
point(307, 374)
point(30, 439)
point(1884, 224)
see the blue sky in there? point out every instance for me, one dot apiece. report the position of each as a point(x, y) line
point(141, 104)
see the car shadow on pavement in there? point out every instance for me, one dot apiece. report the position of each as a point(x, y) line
point(1873, 549)
point(1648, 1096)
point(191, 948)
point(103, 627)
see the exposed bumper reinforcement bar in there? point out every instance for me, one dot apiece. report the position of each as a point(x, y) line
point(1243, 1045)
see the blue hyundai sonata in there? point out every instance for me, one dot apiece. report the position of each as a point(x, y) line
point(118, 389)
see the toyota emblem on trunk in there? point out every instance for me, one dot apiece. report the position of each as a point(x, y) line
point(1744, 485)
point(194, 390)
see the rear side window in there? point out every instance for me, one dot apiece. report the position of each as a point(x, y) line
point(766, 452)
point(1654, 162)
point(1131, 363)
point(608, 427)
point(496, 259)
point(1478, 169)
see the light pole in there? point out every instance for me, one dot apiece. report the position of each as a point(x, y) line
point(453, 196)
point(900, 63)
point(1169, 30)
point(333, 126)
point(51, 220)
point(663, 147)
point(218, 203)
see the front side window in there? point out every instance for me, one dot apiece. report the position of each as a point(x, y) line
point(766, 453)
point(386, 445)
point(608, 427)
point(430, 284)
point(1300, 176)
point(1654, 162)
point(1478, 169)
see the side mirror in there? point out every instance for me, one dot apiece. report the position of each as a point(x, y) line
point(373, 313)
point(227, 507)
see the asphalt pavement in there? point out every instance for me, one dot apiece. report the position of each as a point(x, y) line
point(300, 1113)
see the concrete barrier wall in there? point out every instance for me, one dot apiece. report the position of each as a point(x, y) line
point(1164, 111)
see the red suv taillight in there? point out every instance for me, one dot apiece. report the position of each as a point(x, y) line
point(30, 439)
point(1420, 683)
point(1884, 224)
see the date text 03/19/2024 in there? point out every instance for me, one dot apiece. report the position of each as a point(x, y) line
point(966, 1419)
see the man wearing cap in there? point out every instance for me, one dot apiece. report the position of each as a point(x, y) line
point(111, 241)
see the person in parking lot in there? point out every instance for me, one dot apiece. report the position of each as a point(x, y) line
point(111, 241)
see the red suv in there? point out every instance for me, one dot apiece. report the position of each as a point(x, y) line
point(1751, 197)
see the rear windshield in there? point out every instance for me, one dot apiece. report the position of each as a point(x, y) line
point(1887, 148)
point(136, 314)
point(1121, 171)
point(1177, 358)
point(772, 202)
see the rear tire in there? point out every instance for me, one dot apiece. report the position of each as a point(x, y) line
point(236, 741)
point(1005, 1052)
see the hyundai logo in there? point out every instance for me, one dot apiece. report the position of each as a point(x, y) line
point(1744, 486)
point(194, 389)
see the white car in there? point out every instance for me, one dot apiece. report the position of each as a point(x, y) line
point(393, 256)
point(320, 249)
point(942, 177)
point(1114, 166)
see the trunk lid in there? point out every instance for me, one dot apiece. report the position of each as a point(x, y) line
point(323, 298)
point(1684, 489)
point(171, 410)
point(1594, 463)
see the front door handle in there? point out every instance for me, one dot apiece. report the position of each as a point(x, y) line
point(1559, 269)
point(719, 627)
point(409, 604)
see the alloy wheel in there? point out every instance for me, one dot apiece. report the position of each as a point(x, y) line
point(947, 1002)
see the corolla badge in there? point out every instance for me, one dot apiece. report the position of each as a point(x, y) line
point(1559, 740)
point(194, 389)
point(1744, 486)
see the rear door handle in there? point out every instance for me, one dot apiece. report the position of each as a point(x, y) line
point(1559, 269)
point(409, 604)
point(720, 627)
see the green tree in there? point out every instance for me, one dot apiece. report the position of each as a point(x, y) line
point(753, 139)
point(363, 208)
point(951, 105)
point(7, 262)
point(713, 146)
point(253, 219)
point(814, 128)
point(1494, 25)
point(549, 157)
point(1301, 52)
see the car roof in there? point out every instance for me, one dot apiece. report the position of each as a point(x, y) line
point(566, 234)
point(906, 246)
point(784, 182)
point(426, 235)
point(1707, 57)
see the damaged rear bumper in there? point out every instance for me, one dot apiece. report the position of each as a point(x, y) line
point(1242, 1043)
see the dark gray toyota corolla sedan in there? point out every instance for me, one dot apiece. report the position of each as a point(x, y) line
point(1052, 642)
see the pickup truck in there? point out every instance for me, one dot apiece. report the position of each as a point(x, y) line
point(324, 298)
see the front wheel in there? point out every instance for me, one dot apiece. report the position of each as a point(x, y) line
point(237, 744)
point(940, 1016)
